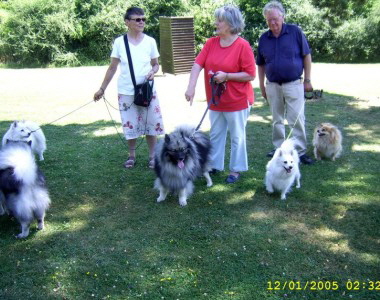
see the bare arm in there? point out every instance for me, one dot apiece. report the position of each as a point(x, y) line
point(190, 92)
point(307, 73)
point(155, 67)
point(239, 76)
point(261, 80)
point(107, 78)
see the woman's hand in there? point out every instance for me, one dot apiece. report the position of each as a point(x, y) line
point(220, 77)
point(150, 75)
point(99, 94)
point(189, 95)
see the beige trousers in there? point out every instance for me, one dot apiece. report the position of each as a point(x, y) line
point(287, 102)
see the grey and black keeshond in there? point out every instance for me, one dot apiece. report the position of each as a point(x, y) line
point(23, 192)
point(180, 158)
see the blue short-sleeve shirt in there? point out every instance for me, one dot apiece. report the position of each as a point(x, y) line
point(283, 56)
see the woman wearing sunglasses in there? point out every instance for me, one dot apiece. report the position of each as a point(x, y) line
point(136, 120)
point(227, 59)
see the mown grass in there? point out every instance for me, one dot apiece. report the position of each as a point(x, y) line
point(107, 238)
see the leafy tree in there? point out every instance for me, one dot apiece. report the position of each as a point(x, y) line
point(72, 32)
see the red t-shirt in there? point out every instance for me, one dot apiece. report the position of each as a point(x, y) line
point(237, 57)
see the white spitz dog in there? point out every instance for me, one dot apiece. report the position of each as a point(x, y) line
point(27, 131)
point(23, 193)
point(283, 170)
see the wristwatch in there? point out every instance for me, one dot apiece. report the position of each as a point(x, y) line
point(306, 80)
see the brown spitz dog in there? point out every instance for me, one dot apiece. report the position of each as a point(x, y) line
point(327, 141)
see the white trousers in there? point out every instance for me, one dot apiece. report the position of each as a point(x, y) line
point(235, 122)
point(287, 101)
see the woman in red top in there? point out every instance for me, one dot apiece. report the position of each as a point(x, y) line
point(229, 58)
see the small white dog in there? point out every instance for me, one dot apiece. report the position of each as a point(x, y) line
point(283, 170)
point(27, 131)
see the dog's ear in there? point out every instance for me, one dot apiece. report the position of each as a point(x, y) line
point(14, 124)
point(280, 153)
point(332, 133)
point(167, 138)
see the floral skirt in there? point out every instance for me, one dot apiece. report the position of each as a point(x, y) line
point(138, 120)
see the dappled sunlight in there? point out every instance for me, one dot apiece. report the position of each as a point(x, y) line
point(360, 130)
point(323, 237)
point(294, 227)
point(341, 212)
point(335, 247)
point(220, 187)
point(369, 258)
point(332, 242)
point(241, 197)
point(75, 224)
point(328, 115)
point(106, 131)
point(261, 215)
point(364, 103)
point(360, 181)
point(80, 210)
point(257, 118)
point(328, 239)
point(327, 233)
point(365, 148)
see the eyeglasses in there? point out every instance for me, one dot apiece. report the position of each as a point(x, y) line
point(138, 20)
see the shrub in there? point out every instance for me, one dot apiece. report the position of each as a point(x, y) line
point(73, 32)
point(36, 30)
point(203, 12)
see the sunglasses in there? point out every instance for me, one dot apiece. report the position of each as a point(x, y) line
point(138, 20)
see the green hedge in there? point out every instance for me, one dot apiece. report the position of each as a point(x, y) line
point(75, 32)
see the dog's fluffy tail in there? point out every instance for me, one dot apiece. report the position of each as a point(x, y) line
point(19, 157)
point(288, 145)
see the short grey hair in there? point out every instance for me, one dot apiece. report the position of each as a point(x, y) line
point(231, 15)
point(273, 5)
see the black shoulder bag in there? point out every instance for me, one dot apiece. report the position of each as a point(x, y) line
point(143, 92)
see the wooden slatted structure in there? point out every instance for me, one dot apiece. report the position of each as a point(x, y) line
point(177, 46)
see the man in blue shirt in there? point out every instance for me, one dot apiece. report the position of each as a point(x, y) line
point(283, 57)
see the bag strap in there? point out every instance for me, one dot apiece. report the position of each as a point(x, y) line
point(129, 60)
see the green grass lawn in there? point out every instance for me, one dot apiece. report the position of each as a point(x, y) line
point(107, 238)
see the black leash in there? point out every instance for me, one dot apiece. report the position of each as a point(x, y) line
point(217, 90)
point(314, 94)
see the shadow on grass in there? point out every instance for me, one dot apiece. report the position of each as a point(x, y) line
point(106, 237)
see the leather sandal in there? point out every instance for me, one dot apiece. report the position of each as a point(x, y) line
point(130, 162)
point(151, 163)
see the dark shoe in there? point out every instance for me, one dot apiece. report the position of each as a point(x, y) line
point(270, 154)
point(214, 172)
point(232, 179)
point(306, 160)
